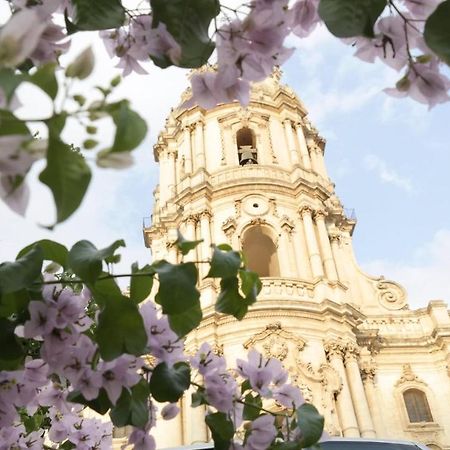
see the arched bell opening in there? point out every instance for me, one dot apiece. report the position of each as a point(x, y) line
point(260, 251)
point(246, 146)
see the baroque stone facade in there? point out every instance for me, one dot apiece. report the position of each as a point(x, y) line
point(255, 177)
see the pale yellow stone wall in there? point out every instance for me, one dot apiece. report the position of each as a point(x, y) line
point(347, 338)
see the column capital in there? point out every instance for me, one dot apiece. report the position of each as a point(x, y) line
point(335, 237)
point(351, 352)
point(334, 348)
point(305, 210)
point(205, 214)
point(367, 372)
point(286, 120)
point(320, 214)
point(298, 125)
point(191, 219)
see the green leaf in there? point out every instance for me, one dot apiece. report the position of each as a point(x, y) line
point(51, 250)
point(120, 329)
point(250, 285)
point(225, 262)
point(132, 406)
point(437, 31)
point(349, 18)
point(11, 351)
point(131, 129)
point(188, 22)
point(86, 261)
point(252, 407)
point(186, 321)
point(101, 404)
point(230, 301)
point(103, 289)
point(9, 81)
point(185, 246)
point(67, 175)
point(310, 423)
point(177, 287)
point(140, 285)
point(21, 273)
point(14, 303)
point(10, 124)
point(45, 79)
point(168, 384)
point(222, 430)
point(198, 398)
point(97, 15)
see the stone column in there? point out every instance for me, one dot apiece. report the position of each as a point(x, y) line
point(306, 161)
point(368, 376)
point(311, 242)
point(199, 145)
point(324, 241)
point(205, 246)
point(344, 404)
point(301, 254)
point(290, 141)
point(190, 224)
point(171, 174)
point(188, 150)
point(320, 161)
point(340, 265)
point(357, 390)
point(289, 269)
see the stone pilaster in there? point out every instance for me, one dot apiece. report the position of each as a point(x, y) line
point(187, 149)
point(306, 160)
point(335, 353)
point(324, 241)
point(199, 145)
point(368, 379)
point(335, 239)
point(290, 269)
point(205, 234)
point(357, 390)
point(290, 141)
point(311, 242)
point(190, 223)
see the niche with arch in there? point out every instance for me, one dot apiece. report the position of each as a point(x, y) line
point(260, 251)
point(246, 146)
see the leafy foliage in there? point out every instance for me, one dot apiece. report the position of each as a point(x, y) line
point(168, 384)
point(120, 329)
point(311, 423)
point(349, 18)
point(437, 31)
point(188, 22)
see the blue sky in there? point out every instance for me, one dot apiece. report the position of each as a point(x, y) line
point(389, 159)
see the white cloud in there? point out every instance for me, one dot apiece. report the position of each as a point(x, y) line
point(387, 174)
point(426, 276)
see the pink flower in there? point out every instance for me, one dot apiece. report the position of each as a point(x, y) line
point(42, 320)
point(170, 411)
point(19, 37)
point(304, 17)
point(141, 440)
point(262, 433)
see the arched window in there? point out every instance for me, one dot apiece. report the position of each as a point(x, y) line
point(417, 406)
point(246, 145)
point(261, 252)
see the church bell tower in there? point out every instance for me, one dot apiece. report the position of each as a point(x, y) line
point(255, 177)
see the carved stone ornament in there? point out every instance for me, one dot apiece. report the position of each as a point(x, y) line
point(287, 224)
point(408, 376)
point(334, 348)
point(275, 341)
point(391, 295)
point(229, 227)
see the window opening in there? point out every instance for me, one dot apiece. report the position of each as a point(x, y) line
point(245, 139)
point(417, 406)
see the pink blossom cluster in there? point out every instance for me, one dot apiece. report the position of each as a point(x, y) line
point(265, 376)
point(29, 389)
point(399, 43)
point(135, 43)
